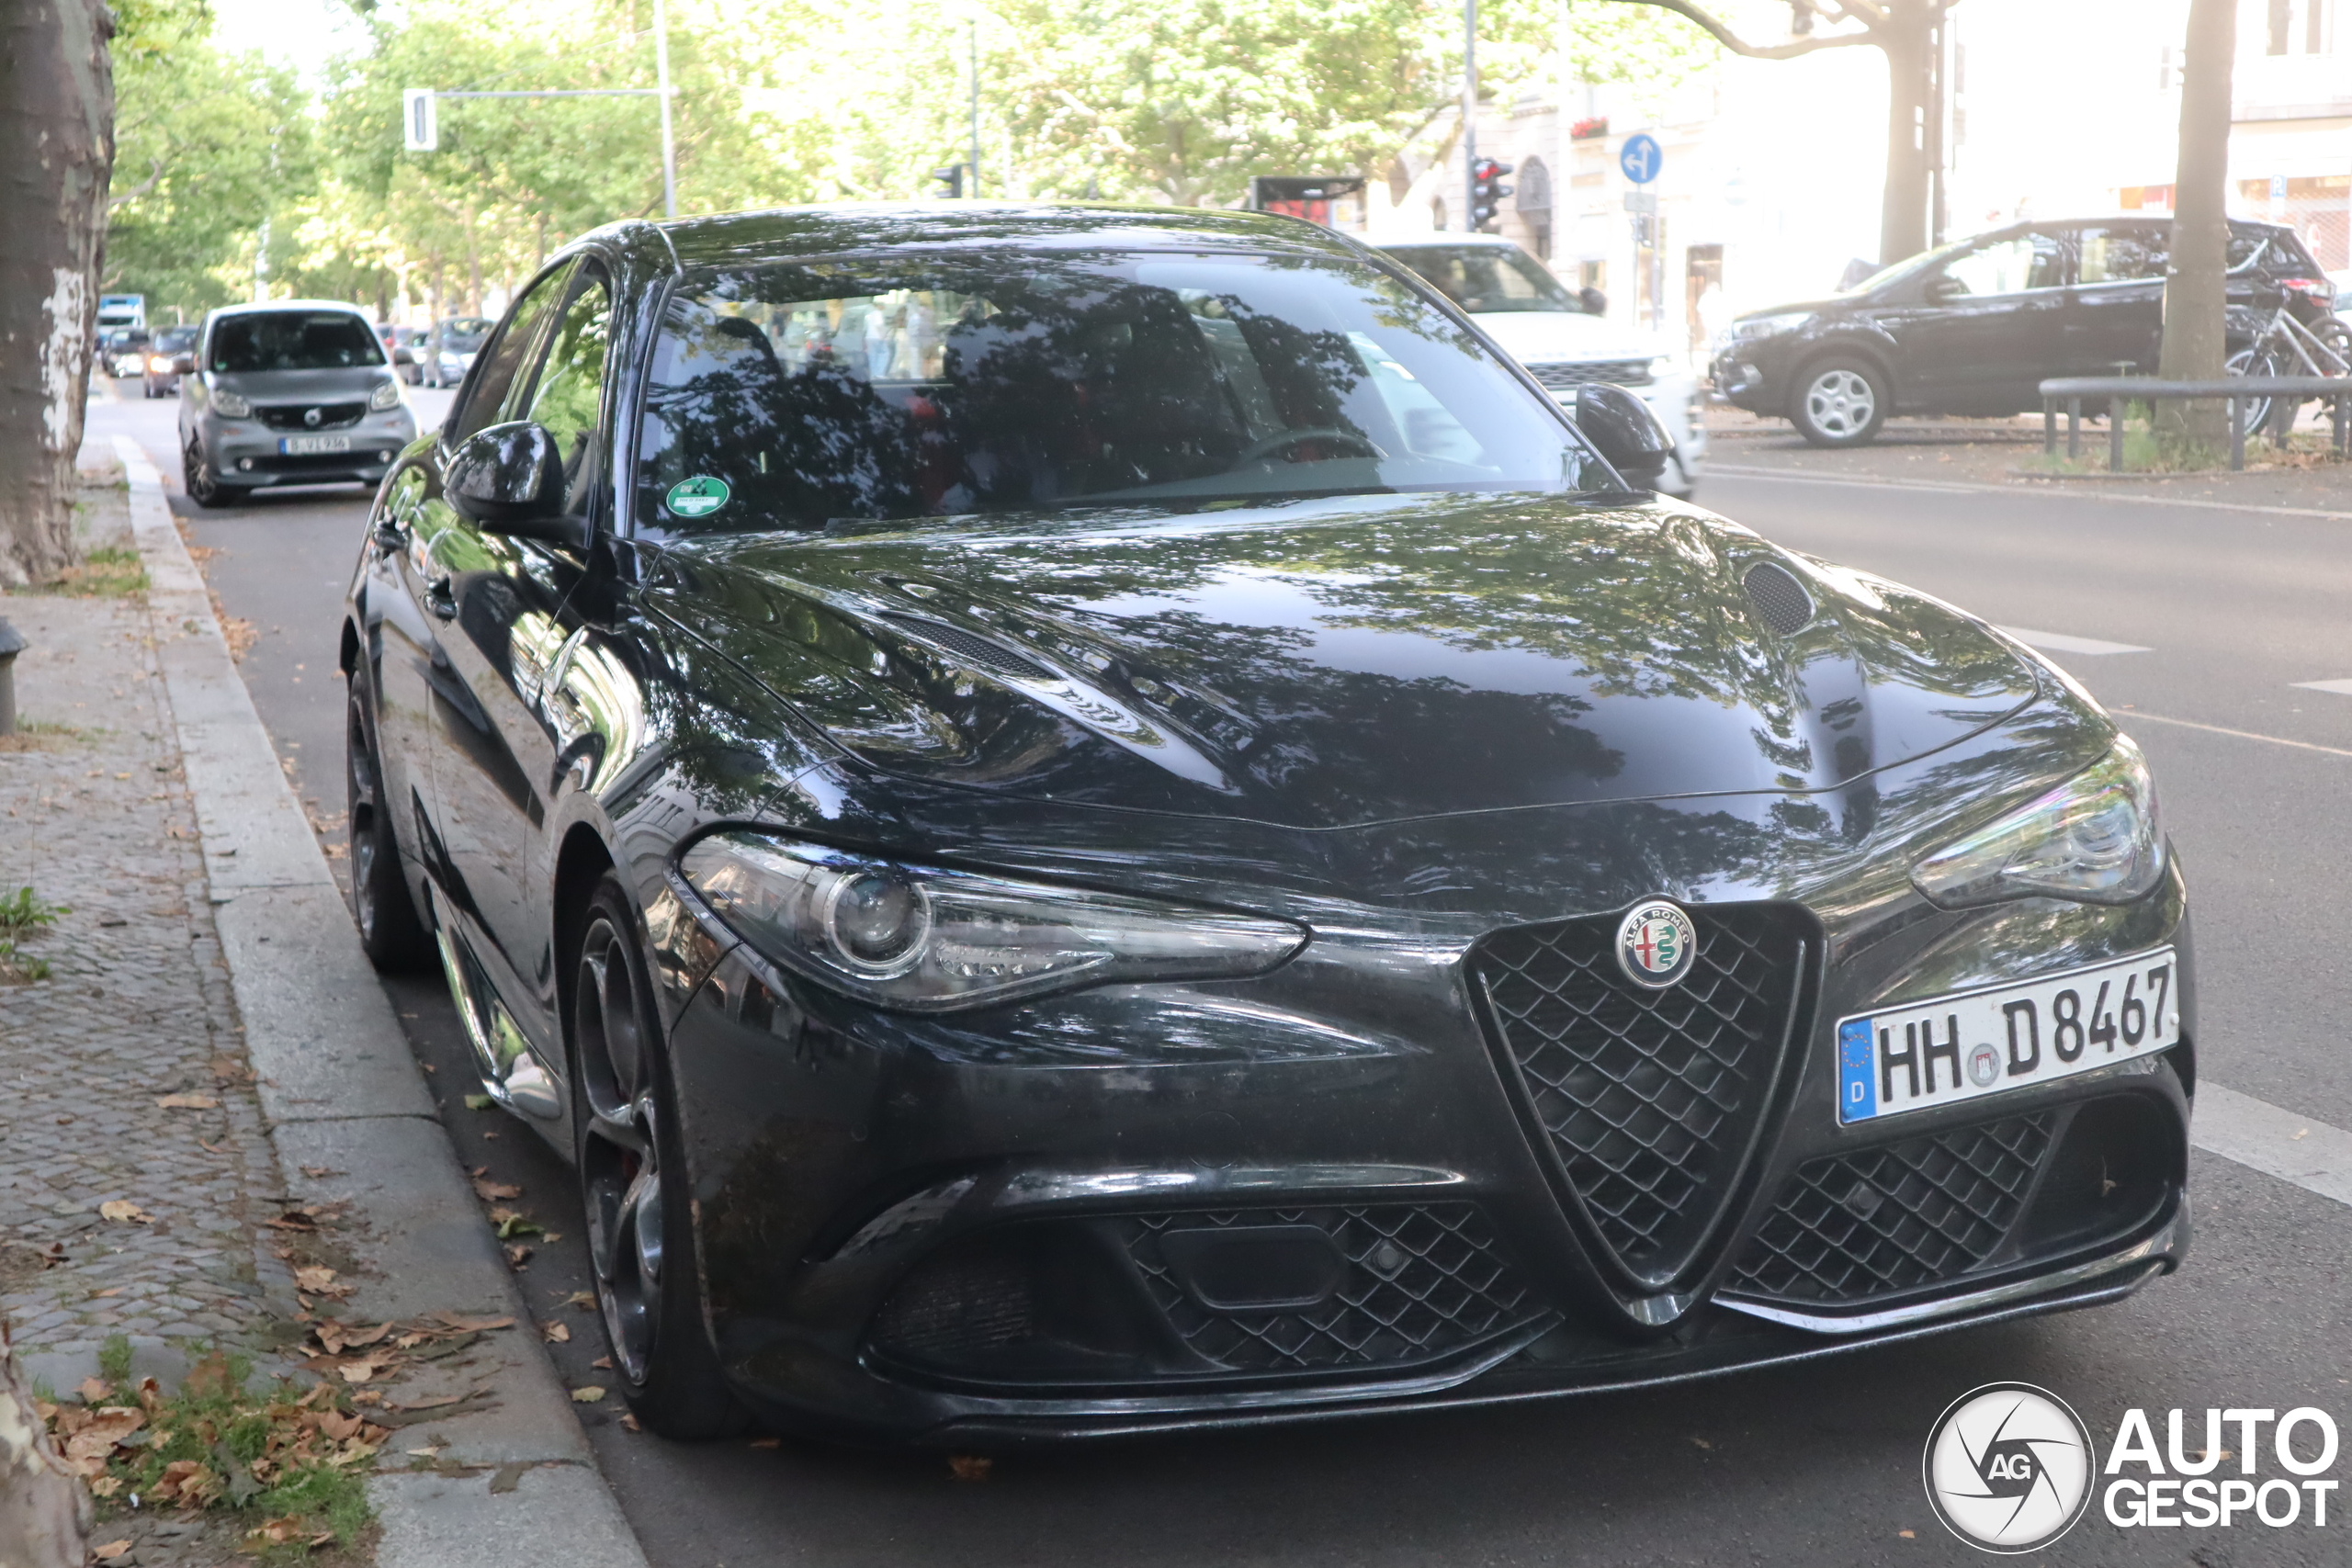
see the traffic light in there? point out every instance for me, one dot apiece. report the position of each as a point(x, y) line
point(1487, 191)
point(952, 178)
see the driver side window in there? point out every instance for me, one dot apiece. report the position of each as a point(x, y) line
point(2007, 267)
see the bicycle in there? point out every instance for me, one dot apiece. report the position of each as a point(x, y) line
point(2285, 346)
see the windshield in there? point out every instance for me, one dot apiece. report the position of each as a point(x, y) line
point(798, 396)
point(176, 341)
point(1487, 278)
point(293, 340)
point(1906, 266)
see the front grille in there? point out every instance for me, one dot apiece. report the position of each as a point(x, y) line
point(1651, 1100)
point(1567, 377)
point(1894, 1217)
point(1419, 1281)
point(289, 416)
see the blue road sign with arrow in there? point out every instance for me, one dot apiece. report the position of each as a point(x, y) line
point(1641, 158)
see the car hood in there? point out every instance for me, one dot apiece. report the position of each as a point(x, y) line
point(302, 386)
point(1336, 663)
point(1534, 338)
point(1800, 307)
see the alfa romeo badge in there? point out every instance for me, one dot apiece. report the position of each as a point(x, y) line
point(1657, 943)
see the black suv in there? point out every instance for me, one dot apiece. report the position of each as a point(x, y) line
point(1974, 327)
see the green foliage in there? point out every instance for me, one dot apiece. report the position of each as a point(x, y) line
point(25, 911)
point(114, 1356)
point(778, 101)
point(110, 572)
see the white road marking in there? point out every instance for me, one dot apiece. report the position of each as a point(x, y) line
point(2135, 715)
point(2064, 642)
point(2340, 688)
point(2258, 1134)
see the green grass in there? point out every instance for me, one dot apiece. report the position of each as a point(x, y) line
point(257, 1453)
point(110, 572)
point(26, 910)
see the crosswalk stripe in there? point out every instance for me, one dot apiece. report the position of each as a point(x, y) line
point(2255, 1132)
point(2065, 642)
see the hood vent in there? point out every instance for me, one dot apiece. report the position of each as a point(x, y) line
point(1779, 597)
point(976, 652)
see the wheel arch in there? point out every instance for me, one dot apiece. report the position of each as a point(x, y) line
point(580, 862)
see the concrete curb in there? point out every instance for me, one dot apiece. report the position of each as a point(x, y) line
point(343, 1095)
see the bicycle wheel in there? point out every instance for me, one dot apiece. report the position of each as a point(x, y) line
point(2253, 413)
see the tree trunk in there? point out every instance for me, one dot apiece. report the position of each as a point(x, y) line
point(44, 1513)
point(2196, 287)
point(1903, 202)
point(56, 156)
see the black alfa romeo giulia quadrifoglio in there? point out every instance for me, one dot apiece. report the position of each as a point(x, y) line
point(1090, 820)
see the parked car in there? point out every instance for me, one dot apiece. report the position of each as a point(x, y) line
point(1523, 307)
point(1089, 819)
point(291, 392)
point(402, 345)
point(123, 351)
point(450, 348)
point(1974, 327)
point(161, 374)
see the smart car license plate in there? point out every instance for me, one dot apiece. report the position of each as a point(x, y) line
point(306, 445)
point(1973, 1044)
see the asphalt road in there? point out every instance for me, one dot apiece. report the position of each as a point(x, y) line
point(1817, 1466)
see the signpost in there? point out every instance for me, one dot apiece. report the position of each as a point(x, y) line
point(1642, 159)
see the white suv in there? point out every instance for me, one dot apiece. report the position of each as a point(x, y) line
point(1523, 308)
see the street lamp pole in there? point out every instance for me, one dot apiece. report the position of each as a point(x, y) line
point(669, 142)
point(1469, 114)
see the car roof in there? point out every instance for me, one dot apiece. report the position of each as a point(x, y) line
point(783, 233)
point(1433, 237)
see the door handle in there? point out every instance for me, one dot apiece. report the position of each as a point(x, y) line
point(439, 598)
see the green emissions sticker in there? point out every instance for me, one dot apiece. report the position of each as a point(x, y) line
point(699, 497)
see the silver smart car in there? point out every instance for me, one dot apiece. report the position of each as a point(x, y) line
point(290, 392)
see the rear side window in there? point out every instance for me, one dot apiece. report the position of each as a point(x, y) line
point(293, 340)
point(2124, 252)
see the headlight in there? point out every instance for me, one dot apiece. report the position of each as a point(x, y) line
point(387, 395)
point(2095, 839)
point(929, 940)
point(229, 405)
point(1770, 326)
point(159, 364)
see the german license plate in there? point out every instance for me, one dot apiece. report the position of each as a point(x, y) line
point(307, 445)
point(1973, 1044)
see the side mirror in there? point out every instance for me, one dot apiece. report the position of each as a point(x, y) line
point(1943, 287)
point(510, 478)
point(184, 365)
point(1620, 426)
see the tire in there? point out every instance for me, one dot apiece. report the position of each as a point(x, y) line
point(2255, 412)
point(390, 931)
point(204, 486)
point(1840, 402)
point(633, 1186)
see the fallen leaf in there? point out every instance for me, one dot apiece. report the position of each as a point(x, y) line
point(318, 1280)
point(1702, 1442)
point(338, 1426)
point(123, 1211)
point(603, 1363)
point(512, 1224)
point(767, 1442)
point(490, 1191)
point(970, 1467)
point(630, 1423)
point(105, 1486)
point(94, 1391)
point(556, 1333)
point(319, 1172)
point(517, 1254)
point(590, 1394)
point(188, 1102)
point(111, 1550)
point(109, 1291)
point(585, 1301)
point(458, 1322)
point(478, 1102)
point(86, 1451)
point(358, 1372)
point(1906, 1535)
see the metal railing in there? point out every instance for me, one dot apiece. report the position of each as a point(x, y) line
point(2117, 391)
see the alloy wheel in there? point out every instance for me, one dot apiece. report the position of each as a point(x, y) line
point(620, 1149)
point(1842, 403)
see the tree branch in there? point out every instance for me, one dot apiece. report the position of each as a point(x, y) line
point(156, 165)
point(1690, 12)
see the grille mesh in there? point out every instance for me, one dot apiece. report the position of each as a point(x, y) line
point(1894, 1217)
point(289, 416)
point(1567, 377)
point(1649, 1099)
point(975, 650)
point(1422, 1280)
point(1779, 597)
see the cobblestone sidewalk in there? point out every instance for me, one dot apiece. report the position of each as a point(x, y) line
point(134, 1171)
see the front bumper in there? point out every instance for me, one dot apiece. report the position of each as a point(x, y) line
point(246, 452)
point(1066, 1218)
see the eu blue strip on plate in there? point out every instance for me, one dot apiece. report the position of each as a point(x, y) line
point(1856, 1083)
